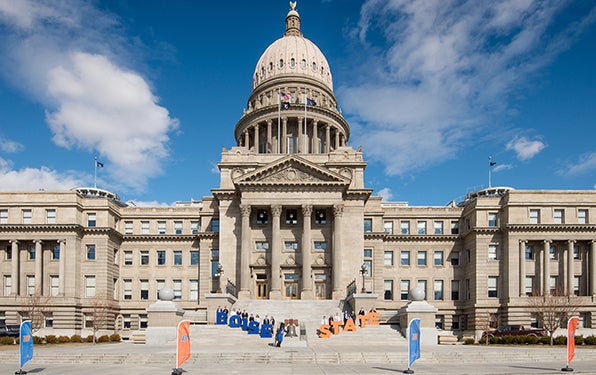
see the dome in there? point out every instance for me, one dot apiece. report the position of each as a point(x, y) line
point(292, 54)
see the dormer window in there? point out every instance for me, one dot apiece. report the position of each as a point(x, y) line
point(262, 217)
point(291, 217)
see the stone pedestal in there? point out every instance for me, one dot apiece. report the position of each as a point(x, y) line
point(426, 313)
point(215, 300)
point(162, 319)
point(364, 301)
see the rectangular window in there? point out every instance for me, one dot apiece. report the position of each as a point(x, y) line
point(7, 285)
point(421, 227)
point(144, 258)
point(455, 258)
point(405, 227)
point(143, 321)
point(552, 252)
point(405, 258)
point(492, 252)
point(128, 258)
point(291, 246)
point(553, 285)
point(31, 251)
point(388, 292)
point(438, 288)
point(492, 219)
point(30, 285)
point(320, 246)
point(8, 252)
point(422, 258)
point(455, 290)
point(48, 320)
point(194, 289)
point(50, 216)
point(161, 257)
point(26, 216)
point(262, 217)
point(455, 227)
point(422, 285)
point(582, 216)
point(367, 225)
point(159, 285)
point(161, 227)
point(54, 285)
point(404, 286)
point(194, 227)
point(292, 143)
point(90, 252)
point(177, 289)
point(439, 321)
point(126, 321)
point(90, 286)
point(215, 225)
point(576, 284)
point(529, 253)
point(177, 258)
point(388, 227)
point(559, 216)
point(55, 252)
point(88, 321)
point(194, 258)
point(455, 322)
point(291, 217)
point(214, 262)
point(320, 217)
point(3, 216)
point(438, 258)
point(388, 258)
point(534, 216)
point(576, 252)
point(262, 245)
point(368, 265)
point(144, 289)
point(144, 227)
point(438, 226)
point(177, 227)
point(127, 284)
point(529, 285)
point(493, 291)
point(128, 227)
point(91, 219)
point(367, 253)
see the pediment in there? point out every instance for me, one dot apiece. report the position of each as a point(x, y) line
point(292, 170)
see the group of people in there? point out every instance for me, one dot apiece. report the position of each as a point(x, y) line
point(280, 332)
point(343, 317)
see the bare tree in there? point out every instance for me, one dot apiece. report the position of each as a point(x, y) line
point(36, 308)
point(101, 314)
point(551, 310)
point(483, 323)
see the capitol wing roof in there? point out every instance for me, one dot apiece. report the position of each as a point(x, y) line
point(291, 171)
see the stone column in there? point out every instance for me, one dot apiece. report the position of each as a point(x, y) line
point(327, 138)
point(336, 138)
point(338, 211)
point(38, 267)
point(269, 142)
point(546, 268)
point(245, 253)
point(275, 291)
point(300, 135)
point(593, 269)
point(16, 284)
point(62, 268)
point(315, 137)
point(246, 140)
point(284, 131)
point(570, 270)
point(257, 138)
point(306, 252)
point(522, 268)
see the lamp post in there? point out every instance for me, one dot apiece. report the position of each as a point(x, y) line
point(363, 271)
point(220, 272)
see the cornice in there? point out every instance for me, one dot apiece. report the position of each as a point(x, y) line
point(224, 194)
point(551, 227)
point(162, 237)
point(410, 237)
point(44, 228)
point(358, 194)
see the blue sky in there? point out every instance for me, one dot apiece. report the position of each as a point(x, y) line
point(429, 88)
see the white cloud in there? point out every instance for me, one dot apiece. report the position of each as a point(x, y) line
point(585, 164)
point(74, 59)
point(525, 148)
point(502, 167)
point(10, 146)
point(386, 194)
point(36, 178)
point(448, 71)
point(148, 203)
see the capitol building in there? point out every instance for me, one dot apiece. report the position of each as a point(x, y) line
point(292, 219)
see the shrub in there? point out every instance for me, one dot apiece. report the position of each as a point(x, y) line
point(579, 340)
point(560, 340)
point(37, 340)
point(532, 340)
point(76, 338)
point(115, 337)
point(103, 338)
point(51, 339)
point(469, 342)
point(508, 339)
point(63, 339)
point(494, 340)
point(518, 339)
point(544, 340)
point(6, 340)
point(590, 340)
point(89, 338)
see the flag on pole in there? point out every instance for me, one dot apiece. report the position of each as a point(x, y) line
point(99, 164)
point(310, 102)
point(571, 328)
point(413, 341)
point(183, 343)
point(25, 343)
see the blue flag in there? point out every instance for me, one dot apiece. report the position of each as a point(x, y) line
point(414, 341)
point(25, 343)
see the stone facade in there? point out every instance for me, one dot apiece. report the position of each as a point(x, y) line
point(292, 219)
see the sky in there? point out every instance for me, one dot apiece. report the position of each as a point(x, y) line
point(431, 89)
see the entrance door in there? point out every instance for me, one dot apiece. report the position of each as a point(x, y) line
point(262, 289)
point(291, 290)
point(320, 290)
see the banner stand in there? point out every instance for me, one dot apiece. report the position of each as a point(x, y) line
point(25, 346)
point(413, 344)
point(571, 328)
point(182, 346)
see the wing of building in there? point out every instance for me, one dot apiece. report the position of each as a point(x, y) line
point(293, 219)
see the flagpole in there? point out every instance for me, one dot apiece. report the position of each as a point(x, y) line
point(305, 100)
point(490, 158)
point(278, 121)
point(95, 172)
point(408, 330)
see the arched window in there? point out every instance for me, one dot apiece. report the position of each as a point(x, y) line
point(270, 65)
point(314, 66)
point(303, 64)
point(292, 63)
point(281, 63)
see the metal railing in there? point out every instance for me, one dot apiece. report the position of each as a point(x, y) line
point(351, 288)
point(231, 288)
